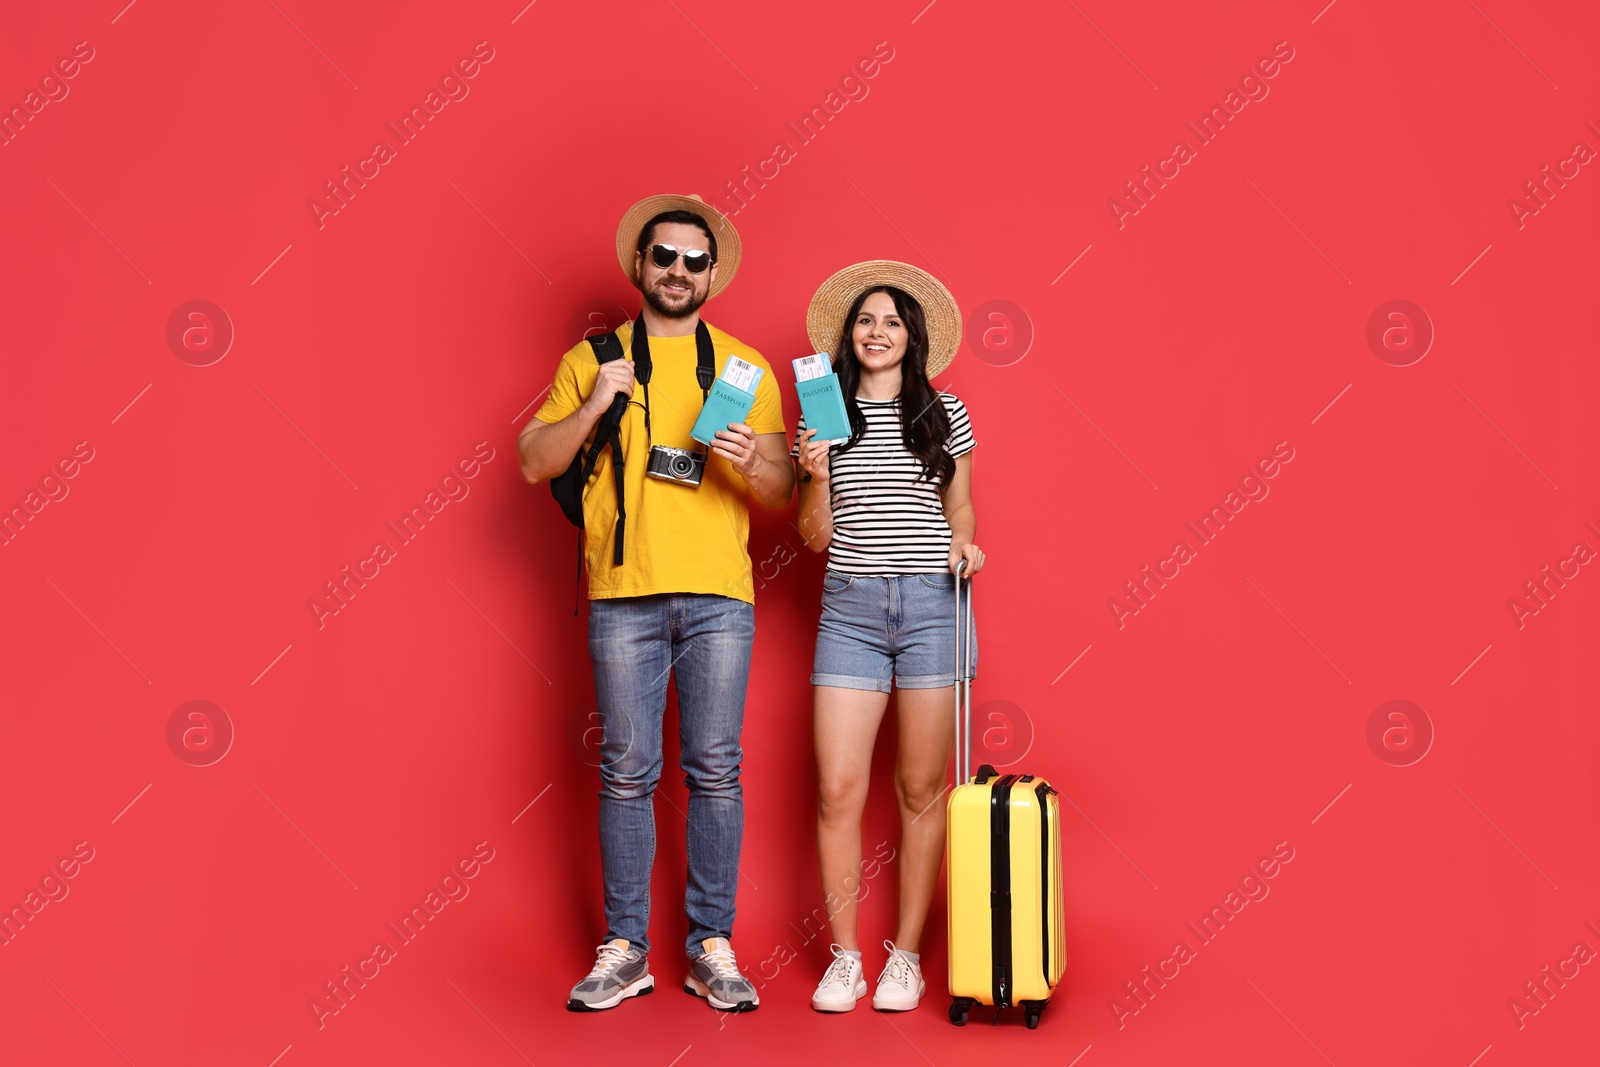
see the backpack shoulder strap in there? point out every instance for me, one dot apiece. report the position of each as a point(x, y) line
point(606, 347)
point(607, 431)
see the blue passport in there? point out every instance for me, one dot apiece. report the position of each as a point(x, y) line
point(821, 401)
point(730, 399)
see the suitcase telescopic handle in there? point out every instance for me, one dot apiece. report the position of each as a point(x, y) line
point(963, 679)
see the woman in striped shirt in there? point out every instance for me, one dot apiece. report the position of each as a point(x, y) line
point(892, 506)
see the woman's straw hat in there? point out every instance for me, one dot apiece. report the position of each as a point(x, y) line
point(825, 316)
point(635, 217)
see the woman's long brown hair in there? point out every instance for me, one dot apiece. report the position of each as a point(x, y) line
point(924, 423)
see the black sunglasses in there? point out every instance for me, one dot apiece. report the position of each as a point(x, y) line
point(664, 256)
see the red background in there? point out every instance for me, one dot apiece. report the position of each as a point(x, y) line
point(372, 353)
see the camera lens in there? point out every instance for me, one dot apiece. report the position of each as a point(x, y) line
point(681, 467)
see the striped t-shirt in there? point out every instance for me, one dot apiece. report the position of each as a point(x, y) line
point(887, 518)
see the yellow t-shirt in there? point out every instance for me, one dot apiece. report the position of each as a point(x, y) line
point(677, 538)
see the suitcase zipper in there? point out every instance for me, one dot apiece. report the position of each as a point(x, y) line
point(1000, 888)
point(1045, 792)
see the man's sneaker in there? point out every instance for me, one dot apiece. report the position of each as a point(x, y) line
point(900, 986)
point(716, 977)
point(619, 972)
point(842, 985)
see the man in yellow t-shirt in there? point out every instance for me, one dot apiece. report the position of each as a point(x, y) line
point(681, 602)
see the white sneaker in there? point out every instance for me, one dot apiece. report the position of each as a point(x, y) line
point(842, 985)
point(900, 986)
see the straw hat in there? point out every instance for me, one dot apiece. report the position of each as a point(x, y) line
point(825, 316)
point(635, 217)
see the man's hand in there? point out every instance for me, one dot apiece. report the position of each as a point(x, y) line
point(737, 445)
point(614, 377)
point(761, 459)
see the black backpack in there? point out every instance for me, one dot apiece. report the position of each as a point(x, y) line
point(567, 487)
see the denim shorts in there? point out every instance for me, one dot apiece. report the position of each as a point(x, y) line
point(900, 627)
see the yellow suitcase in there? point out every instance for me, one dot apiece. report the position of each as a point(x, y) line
point(1003, 854)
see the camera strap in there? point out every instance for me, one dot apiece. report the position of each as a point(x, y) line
point(704, 371)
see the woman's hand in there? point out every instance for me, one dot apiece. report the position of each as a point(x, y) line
point(969, 552)
point(814, 457)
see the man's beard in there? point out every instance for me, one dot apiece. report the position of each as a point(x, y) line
point(689, 307)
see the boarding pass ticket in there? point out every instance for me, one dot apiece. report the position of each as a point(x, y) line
point(814, 366)
point(741, 375)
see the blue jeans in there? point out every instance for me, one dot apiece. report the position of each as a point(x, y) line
point(901, 626)
point(634, 643)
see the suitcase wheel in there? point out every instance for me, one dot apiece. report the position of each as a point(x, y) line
point(1031, 1010)
point(959, 1007)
